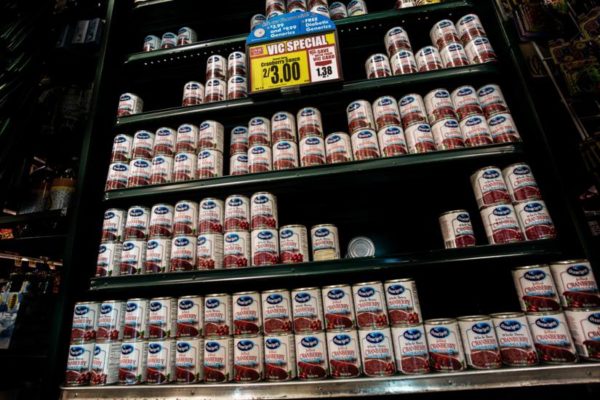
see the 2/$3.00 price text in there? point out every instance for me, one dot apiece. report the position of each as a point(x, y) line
point(282, 73)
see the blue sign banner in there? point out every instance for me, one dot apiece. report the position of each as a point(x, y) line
point(290, 25)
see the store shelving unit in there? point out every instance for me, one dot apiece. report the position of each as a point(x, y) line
point(395, 201)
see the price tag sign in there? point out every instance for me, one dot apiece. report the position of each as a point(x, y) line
point(294, 49)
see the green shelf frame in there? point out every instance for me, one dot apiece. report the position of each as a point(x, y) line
point(525, 251)
point(32, 217)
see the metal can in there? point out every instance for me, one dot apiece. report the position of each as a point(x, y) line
point(193, 94)
point(238, 164)
point(321, 10)
point(162, 317)
point(309, 122)
point(239, 140)
point(210, 215)
point(105, 364)
point(338, 307)
point(325, 242)
point(443, 33)
point(236, 64)
point(402, 302)
point(160, 363)
point(469, 27)
point(109, 259)
point(110, 321)
point(185, 36)
point(446, 352)
point(133, 257)
point(129, 104)
point(343, 351)
point(479, 50)
point(535, 288)
point(143, 145)
point(503, 129)
point(575, 282)
point(360, 116)
point(236, 249)
point(259, 131)
point(453, 55)
point(386, 112)
point(535, 220)
point(210, 135)
point(247, 315)
point(457, 229)
point(338, 10)
point(216, 67)
point(466, 102)
point(280, 357)
point(218, 359)
point(132, 363)
point(311, 356)
point(168, 40)
point(295, 5)
point(365, 144)
point(552, 338)
point(338, 148)
point(489, 187)
point(585, 330)
point(501, 224)
point(360, 246)
point(410, 348)
point(377, 352)
point(259, 159)
point(396, 39)
point(158, 255)
point(479, 342)
point(256, 20)
point(357, 7)
point(439, 106)
point(113, 226)
point(403, 62)
point(514, 339)
point(307, 310)
point(476, 131)
point(412, 110)
point(447, 135)
point(492, 100)
point(185, 218)
point(187, 139)
point(405, 4)
point(139, 173)
point(428, 59)
point(276, 311)
point(189, 360)
point(274, 6)
point(161, 170)
point(79, 363)
point(151, 43)
point(312, 151)
point(190, 316)
point(183, 253)
point(136, 225)
point(248, 359)
point(419, 138)
point(122, 148)
point(209, 253)
point(378, 66)
point(85, 321)
point(285, 154)
point(215, 90)
point(283, 126)
point(263, 211)
point(293, 244)
point(237, 213)
point(265, 247)
point(237, 87)
point(136, 319)
point(161, 220)
point(164, 141)
point(315, 3)
point(217, 315)
point(392, 141)
point(210, 164)
point(370, 306)
point(520, 182)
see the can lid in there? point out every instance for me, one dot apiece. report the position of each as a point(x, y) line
point(579, 261)
point(367, 283)
point(275, 291)
point(341, 330)
point(87, 302)
point(216, 295)
point(266, 335)
point(112, 301)
point(454, 211)
point(407, 325)
point(248, 336)
point(473, 318)
point(292, 226)
point(323, 226)
point(213, 337)
point(137, 299)
point(545, 313)
point(305, 288)
point(586, 309)
point(190, 296)
point(361, 246)
point(367, 329)
point(534, 266)
point(440, 321)
point(339, 285)
point(399, 280)
point(163, 298)
point(246, 292)
point(507, 314)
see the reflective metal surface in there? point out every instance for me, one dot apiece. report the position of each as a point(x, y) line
point(469, 380)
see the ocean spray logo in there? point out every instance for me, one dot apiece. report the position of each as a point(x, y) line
point(183, 347)
point(127, 349)
point(342, 340)
point(464, 218)
point(286, 233)
point(212, 303)
point(412, 334)
point(302, 297)
point(76, 351)
point(439, 332)
point(136, 212)
point(396, 290)
point(309, 342)
point(534, 275)
point(321, 232)
point(510, 325)
point(154, 348)
point(245, 345)
point(185, 304)
point(274, 299)
point(212, 347)
point(244, 301)
point(578, 270)
point(131, 307)
point(265, 235)
point(181, 242)
point(336, 294)
point(155, 306)
point(81, 310)
point(375, 337)
point(502, 211)
point(366, 291)
point(272, 343)
point(232, 238)
point(533, 207)
point(547, 322)
point(106, 309)
point(481, 328)
point(161, 210)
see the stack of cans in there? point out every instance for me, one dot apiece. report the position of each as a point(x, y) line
point(474, 39)
point(310, 130)
point(237, 86)
point(259, 145)
point(285, 141)
point(400, 52)
point(362, 127)
point(238, 151)
point(445, 37)
point(185, 35)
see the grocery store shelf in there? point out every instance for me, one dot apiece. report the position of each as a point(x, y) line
point(326, 93)
point(49, 245)
point(33, 217)
point(468, 380)
point(522, 252)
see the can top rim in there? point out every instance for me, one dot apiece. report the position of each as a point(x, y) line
point(439, 321)
point(545, 313)
point(480, 317)
point(213, 337)
point(399, 280)
point(573, 261)
point(246, 292)
point(507, 314)
point(137, 299)
point(340, 330)
point(367, 283)
point(532, 266)
point(293, 226)
point(586, 309)
point(163, 298)
point(321, 226)
point(215, 295)
point(305, 288)
point(190, 296)
point(276, 290)
point(335, 286)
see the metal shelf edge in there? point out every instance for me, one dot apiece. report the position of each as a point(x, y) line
point(27, 218)
point(468, 380)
